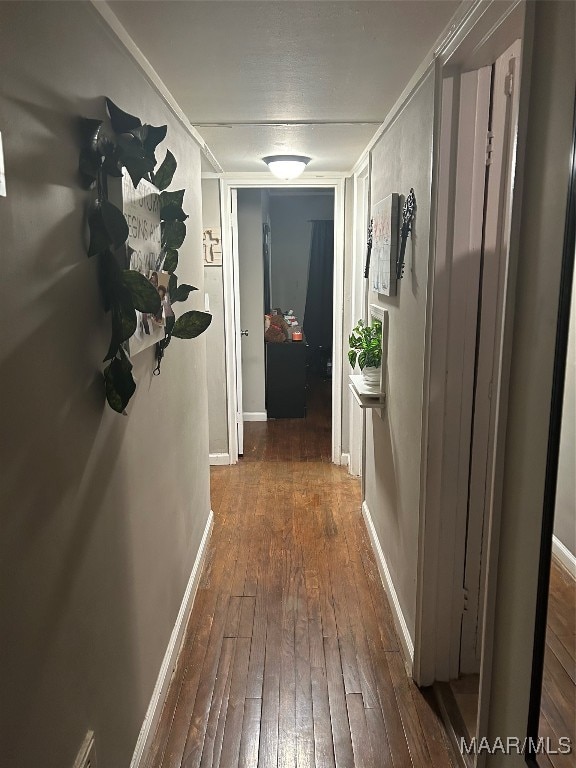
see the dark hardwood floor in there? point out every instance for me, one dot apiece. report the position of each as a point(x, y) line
point(558, 708)
point(290, 656)
point(558, 705)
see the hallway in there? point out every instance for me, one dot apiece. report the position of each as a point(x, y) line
point(290, 656)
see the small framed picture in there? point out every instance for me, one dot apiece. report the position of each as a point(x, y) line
point(384, 246)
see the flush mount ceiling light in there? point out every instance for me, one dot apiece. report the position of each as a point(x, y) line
point(286, 166)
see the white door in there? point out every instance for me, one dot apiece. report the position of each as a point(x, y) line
point(237, 347)
point(470, 189)
point(487, 359)
point(358, 311)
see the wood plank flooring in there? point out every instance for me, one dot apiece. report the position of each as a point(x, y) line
point(558, 708)
point(290, 657)
point(558, 705)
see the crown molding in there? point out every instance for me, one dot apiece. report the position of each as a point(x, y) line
point(115, 25)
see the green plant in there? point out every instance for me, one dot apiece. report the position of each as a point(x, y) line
point(106, 150)
point(366, 345)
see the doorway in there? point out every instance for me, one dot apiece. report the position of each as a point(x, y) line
point(477, 144)
point(267, 265)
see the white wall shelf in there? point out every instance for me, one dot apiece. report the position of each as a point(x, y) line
point(365, 396)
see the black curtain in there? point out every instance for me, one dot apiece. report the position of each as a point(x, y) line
point(266, 257)
point(318, 312)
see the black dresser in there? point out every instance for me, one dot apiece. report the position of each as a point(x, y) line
point(286, 380)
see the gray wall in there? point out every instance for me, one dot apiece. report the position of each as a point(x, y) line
point(251, 298)
point(401, 160)
point(215, 348)
point(290, 217)
point(102, 514)
point(565, 513)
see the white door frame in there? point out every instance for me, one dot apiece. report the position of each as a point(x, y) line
point(487, 33)
point(361, 193)
point(228, 182)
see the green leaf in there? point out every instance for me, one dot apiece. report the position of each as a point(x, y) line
point(112, 164)
point(170, 261)
point(131, 146)
point(172, 287)
point(182, 292)
point(108, 228)
point(352, 357)
point(171, 198)
point(154, 136)
point(191, 324)
point(172, 213)
point(145, 296)
point(138, 168)
point(122, 122)
point(120, 384)
point(173, 234)
point(163, 176)
point(123, 319)
point(115, 224)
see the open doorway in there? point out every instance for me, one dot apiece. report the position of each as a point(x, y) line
point(478, 159)
point(282, 258)
point(286, 277)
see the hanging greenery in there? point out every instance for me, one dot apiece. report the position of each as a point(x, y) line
point(107, 149)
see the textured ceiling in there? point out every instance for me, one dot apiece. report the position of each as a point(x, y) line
point(258, 78)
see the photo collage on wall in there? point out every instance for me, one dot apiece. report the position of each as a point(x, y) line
point(141, 208)
point(384, 246)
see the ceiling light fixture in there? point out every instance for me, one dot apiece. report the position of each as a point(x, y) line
point(286, 166)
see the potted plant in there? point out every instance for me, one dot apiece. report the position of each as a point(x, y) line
point(366, 349)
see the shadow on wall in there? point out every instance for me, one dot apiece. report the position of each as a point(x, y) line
point(40, 164)
point(64, 557)
point(386, 478)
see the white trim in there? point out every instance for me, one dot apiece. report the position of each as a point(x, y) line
point(255, 416)
point(266, 179)
point(564, 556)
point(217, 459)
point(451, 33)
point(172, 651)
point(345, 459)
point(361, 199)
point(155, 80)
point(488, 29)
point(229, 320)
point(338, 321)
point(401, 626)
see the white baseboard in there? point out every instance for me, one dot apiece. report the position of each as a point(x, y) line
point(171, 656)
point(399, 620)
point(345, 459)
point(219, 458)
point(564, 555)
point(255, 416)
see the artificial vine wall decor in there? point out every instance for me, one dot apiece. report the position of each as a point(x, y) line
point(106, 150)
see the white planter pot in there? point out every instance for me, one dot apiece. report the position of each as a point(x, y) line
point(371, 376)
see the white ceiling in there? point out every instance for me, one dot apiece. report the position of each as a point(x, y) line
point(259, 78)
